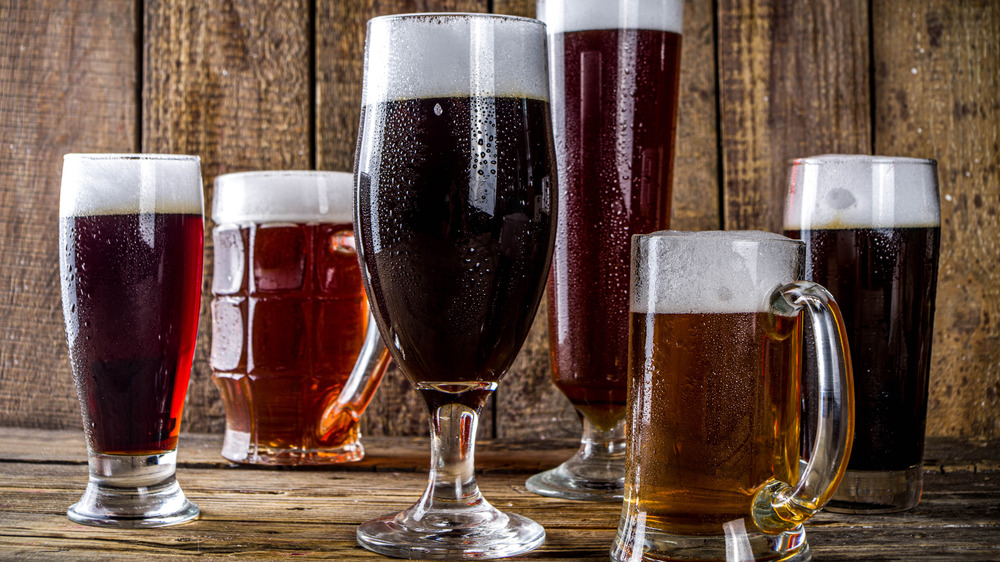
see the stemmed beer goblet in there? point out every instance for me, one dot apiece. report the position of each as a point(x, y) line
point(454, 210)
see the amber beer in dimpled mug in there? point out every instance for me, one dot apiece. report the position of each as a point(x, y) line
point(714, 468)
point(294, 353)
point(130, 258)
point(872, 225)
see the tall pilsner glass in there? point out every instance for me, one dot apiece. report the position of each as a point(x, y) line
point(615, 75)
point(130, 257)
point(454, 210)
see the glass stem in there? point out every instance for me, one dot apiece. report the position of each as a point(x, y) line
point(452, 479)
point(597, 444)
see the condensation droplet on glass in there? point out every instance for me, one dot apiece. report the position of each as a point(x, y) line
point(438, 110)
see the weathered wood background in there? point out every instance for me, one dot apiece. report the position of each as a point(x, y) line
point(276, 85)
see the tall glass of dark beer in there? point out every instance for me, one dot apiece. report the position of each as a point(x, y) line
point(871, 226)
point(714, 469)
point(455, 207)
point(615, 75)
point(294, 354)
point(130, 257)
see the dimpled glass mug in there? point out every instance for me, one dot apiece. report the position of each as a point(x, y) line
point(713, 467)
point(295, 354)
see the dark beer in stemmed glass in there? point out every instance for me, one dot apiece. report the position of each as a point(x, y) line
point(455, 207)
point(871, 225)
point(130, 237)
point(615, 75)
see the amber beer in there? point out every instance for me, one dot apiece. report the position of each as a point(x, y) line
point(289, 315)
point(712, 453)
point(722, 417)
point(871, 226)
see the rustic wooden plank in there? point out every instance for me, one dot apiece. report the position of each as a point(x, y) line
point(794, 82)
point(229, 81)
point(266, 514)
point(936, 96)
point(68, 83)
point(340, 40)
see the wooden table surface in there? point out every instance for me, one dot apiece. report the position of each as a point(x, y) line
point(312, 513)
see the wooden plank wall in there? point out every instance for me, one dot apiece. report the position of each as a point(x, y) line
point(276, 84)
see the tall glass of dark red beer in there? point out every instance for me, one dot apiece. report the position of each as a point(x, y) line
point(615, 74)
point(454, 210)
point(130, 258)
point(872, 227)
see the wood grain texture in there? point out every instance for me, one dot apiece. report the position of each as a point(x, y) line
point(230, 82)
point(793, 82)
point(340, 40)
point(251, 513)
point(68, 83)
point(937, 95)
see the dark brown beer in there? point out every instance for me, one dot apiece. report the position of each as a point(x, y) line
point(884, 280)
point(616, 154)
point(723, 415)
point(455, 214)
point(132, 286)
point(286, 339)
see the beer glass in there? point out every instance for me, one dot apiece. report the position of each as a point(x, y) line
point(130, 257)
point(294, 354)
point(871, 225)
point(714, 470)
point(615, 75)
point(455, 210)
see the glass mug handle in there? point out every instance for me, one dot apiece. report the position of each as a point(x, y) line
point(360, 387)
point(778, 506)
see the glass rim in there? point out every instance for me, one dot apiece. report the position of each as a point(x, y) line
point(820, 159)
point(128, 156)
point(249, 174)
point(456, 15)
point(764, 236)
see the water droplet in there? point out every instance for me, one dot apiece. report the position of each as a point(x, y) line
point(438, 110)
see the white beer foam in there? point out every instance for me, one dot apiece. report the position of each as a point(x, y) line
point(107, 184)
point(836, 191)
point(710, 272)
point(417, 56)
point(563, 16)
point(295, 196)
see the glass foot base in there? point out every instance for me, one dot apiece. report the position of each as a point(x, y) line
point(132, 491)
point(455, 534)
point(238, 447)
point(863, 491)
point(643, 543)
point(563, 482)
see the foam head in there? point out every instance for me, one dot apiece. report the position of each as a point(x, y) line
point(106, 184)
point(564, 16)
point(711, 272)
point(836, 191)
point(283, 196)
point(417, 56)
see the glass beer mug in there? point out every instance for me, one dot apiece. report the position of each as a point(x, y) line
point(295, 354)
point(713, 466)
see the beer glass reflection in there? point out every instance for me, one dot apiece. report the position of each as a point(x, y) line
point(615, 75)
point(455, 213)
point(294, 355)
point(871, 226)
point(713, 458)
point(130, 256)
